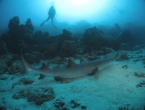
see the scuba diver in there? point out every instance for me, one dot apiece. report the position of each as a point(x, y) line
point(51, 14)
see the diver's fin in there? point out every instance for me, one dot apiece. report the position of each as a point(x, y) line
point(42, 24)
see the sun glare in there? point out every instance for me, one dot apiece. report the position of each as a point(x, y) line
point(79, 2)
point(80, 9)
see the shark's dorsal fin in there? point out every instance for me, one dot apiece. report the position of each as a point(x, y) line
point(43, 67)
point(70, 63)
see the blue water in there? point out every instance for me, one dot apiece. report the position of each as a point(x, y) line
point(50, 32)
point(69, 12)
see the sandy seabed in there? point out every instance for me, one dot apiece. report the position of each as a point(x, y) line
point(118, 86)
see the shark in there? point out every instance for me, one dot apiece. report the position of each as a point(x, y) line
point(72, 70)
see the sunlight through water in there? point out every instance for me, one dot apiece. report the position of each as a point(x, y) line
point(78, 9)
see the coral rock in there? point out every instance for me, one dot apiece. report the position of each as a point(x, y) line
point(38, 95)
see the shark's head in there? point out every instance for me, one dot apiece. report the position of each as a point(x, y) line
point(104, 61)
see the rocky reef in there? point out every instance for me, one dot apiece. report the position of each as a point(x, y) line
point(36, 95)
point(94, 39)
point(23, 36)
point(40, 45)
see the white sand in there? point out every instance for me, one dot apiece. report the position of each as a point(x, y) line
point(112, 88)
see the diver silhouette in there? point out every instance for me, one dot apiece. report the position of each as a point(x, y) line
point(51, 14)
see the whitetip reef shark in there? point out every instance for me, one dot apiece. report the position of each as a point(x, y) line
point(72, 71)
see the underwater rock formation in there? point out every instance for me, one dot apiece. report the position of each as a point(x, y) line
point(37, 37)
point(23, 81)
point(33, 57)
point(37, 95)
point(13, 24)
point(15, 35)
point(126, 37)
point(10, 43)
point(6, 61)
point(29, 25)
point(50, 51)
point(41, 44)
point(60, 104)
point(3, 49)
point(16, 30)
point(68, 49)
point(141, 84)
point(52, 46)
point(143, 61)
point(124, 46)
point(122, 56)
point(3, 66)
point(139, 74)
point(45, 34)
point(56, 45)
point(26, 39)
point(93, 39)
point(15, 67)
point(107, 50)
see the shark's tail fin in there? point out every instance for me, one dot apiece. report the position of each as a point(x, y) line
point(27, 66)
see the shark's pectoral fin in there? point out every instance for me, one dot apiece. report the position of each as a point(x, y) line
point(94, 72)
point(66, 80)
point(42, 76)
point(63, 80)
point(43, 67)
